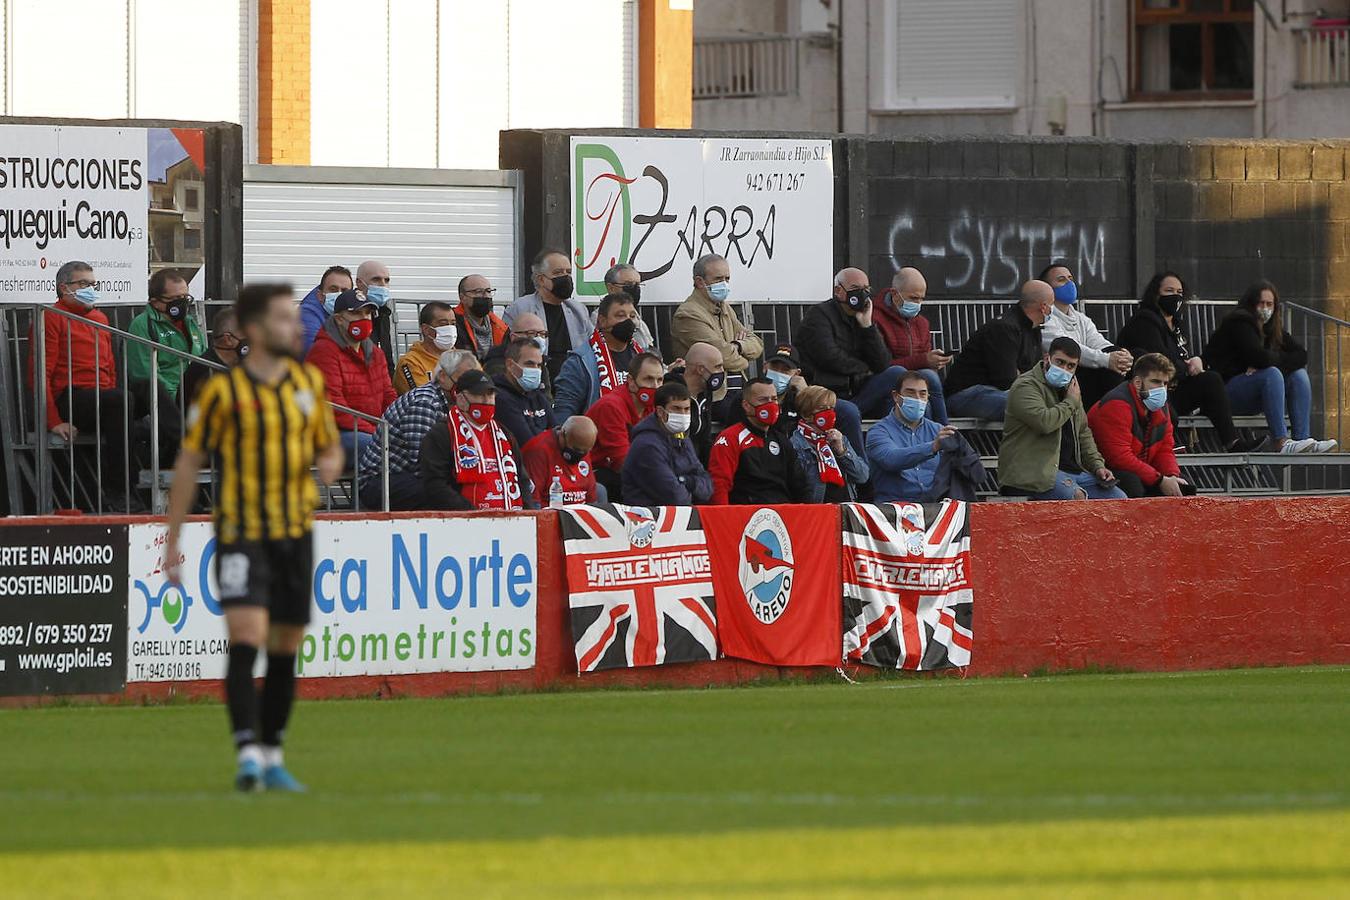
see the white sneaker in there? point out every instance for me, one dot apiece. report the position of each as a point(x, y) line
point(1323, 446)
point(1292, 446)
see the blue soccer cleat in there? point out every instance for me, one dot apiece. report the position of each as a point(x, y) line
point(249, 776)
point(276, 778)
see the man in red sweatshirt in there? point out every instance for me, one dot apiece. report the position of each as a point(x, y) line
point(1133, 430)
point(354, 369)
point(615, 414)
point(906, 333)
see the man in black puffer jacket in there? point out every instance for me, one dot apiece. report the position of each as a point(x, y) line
point(843, 350)
point(997, 353)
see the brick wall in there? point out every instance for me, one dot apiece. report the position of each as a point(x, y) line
point(283, 82)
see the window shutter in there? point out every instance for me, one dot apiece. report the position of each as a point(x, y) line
point(953, 54)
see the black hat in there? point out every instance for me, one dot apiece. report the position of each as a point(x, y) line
point(475, 381)
point(351, 300)
point(785, 354)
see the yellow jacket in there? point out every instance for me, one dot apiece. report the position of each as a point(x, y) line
point(699, 319)
point(414, 368)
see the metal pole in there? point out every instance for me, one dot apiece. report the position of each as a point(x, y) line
point(126, 432)
point(44, 475)
point(70, 411)
point(153, 387)
point(384, 463)
point(98, 410)
point(355, 461)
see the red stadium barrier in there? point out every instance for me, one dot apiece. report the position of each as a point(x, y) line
point(1145, 584)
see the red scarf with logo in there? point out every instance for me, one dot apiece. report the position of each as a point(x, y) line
point(608, 376)
point(484, 464)
point(826, 465)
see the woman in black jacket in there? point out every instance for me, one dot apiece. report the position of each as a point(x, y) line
point(1264, 368)
point(1157, 327)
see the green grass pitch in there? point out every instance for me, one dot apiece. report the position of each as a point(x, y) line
point(1219, 784)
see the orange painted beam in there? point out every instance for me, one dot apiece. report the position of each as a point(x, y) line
point(665, 63)
point(283, 82)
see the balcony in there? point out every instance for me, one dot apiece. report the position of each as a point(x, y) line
point(746, 66)
point(1323, 55)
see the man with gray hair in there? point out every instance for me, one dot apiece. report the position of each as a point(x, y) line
point(625, 279)
point(372, 279)
point(409, 419)
point(569, 325)
point(705, 316)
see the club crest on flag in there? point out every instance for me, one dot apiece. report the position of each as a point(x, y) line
point(641, 526)
point(766, 565)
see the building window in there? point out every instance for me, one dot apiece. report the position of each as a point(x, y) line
point(192, 239)
point(1192, 50)
point(190, 199)
point(951, 54)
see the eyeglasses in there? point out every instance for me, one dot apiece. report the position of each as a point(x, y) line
point(85, 282)
point(481, 292)
point(185, 298)
point(530, 334)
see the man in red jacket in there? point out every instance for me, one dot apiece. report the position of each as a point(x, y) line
point(354, 369)
point(562, 453)
point(615, 414)
point(1133, 430)
point(906, 332)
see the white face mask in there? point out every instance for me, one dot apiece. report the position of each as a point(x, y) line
point(445, 337)
point(1265, 313)
point(677, 423)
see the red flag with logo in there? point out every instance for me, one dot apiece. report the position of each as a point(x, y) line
point(777, 578)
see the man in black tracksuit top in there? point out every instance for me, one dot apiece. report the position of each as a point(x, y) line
point(1000, 350)
point(750, 462)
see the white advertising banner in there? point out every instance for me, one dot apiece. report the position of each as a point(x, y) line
point(390, 598)
point(767, 205)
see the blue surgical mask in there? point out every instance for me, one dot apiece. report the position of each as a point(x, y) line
point(1057, 377)
point(720, 291)
point(1067, 293)
point(909, 309)
point(87, 295)
point(330, 301)
point(530, 379)
point(1156, 398)
point(780, 380)
point(912, 409)
point(542, 342)
point(377, 294)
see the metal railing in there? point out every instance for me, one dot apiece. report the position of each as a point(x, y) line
point(746, 66)
point(146, 438)
point(1323, 56)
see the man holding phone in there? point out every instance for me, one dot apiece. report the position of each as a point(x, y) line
point(899, 315)
point(1048, 452)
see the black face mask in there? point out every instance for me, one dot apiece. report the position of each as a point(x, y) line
point(624, 331)
point(716, 380)
point(858, 297)
point(570, 456)
point(1170, 303)
point(562, 286)
point(176, 310)
point(634, 292)
point(480, 306)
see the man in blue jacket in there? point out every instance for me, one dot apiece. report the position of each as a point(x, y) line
point(522, 406)
point(318, 303)
point(915, 459)
point(662, 467)
point(601, 364)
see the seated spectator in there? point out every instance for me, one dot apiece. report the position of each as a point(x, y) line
point(409, 419)
point(228, 347)
point(568, 323)
point(784, 371)
point(372, 280)
point(168, 321)
point(472, 462)
point(1104, 365)
point(999, 351)
point(522, 406)
point(1264, 370)
point(318, 304)
point(354, 371)
point(601, 365)
point(436, 328)
point(751, 463)
point(915, 459)
point(526, 325)
point(704, 375)
point(1133, 431)
point(907, 334)
point(662, 467)
point(831, 468)
point(614, 416)
point(1047, 451)
point(842, 349)
point(562, 453)
point(705, 317)
point(625, 279)
point(478, 326)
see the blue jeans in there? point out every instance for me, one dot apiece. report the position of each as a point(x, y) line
point(1066, 488)
point(1269, 391)
point(354, 444)
point(979, 401)
point(873, 399)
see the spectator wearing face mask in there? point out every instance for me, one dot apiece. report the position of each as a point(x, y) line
point(227, 348)
point(783, 369)
point(168, 321)
point(599, 366)
point(831, 468)
point(479, 328)
point(470, 461)
point(999, 351)
point(372, 279)
point(662, 466)
point(568, 323)
point(706, 317)
point(526, 325)
point(615, 414)
point(1133, 431)
point(1104, 365)
point(522, 406)
point(704, 375)
point(563, 454)
point(625, 279)
point(436, 326)
point(354, 371)
point(318, 304)
point(899, 317)
point(751, 462)
point(915, 459)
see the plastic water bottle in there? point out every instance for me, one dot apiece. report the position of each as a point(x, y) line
point(555, 493)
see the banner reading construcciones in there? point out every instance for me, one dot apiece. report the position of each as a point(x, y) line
point(390, 598)
point(767, 205)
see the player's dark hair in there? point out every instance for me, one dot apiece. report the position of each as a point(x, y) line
point(251, 304)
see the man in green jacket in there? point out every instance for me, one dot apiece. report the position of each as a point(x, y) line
point(1047, 451)
point(167, 321)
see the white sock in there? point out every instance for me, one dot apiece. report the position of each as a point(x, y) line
point(271, 756)
point(250, 752)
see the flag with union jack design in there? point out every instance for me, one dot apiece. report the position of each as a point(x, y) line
point(907, 596)
point(640, 586)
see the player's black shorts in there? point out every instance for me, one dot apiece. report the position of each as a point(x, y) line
point(277, 575)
